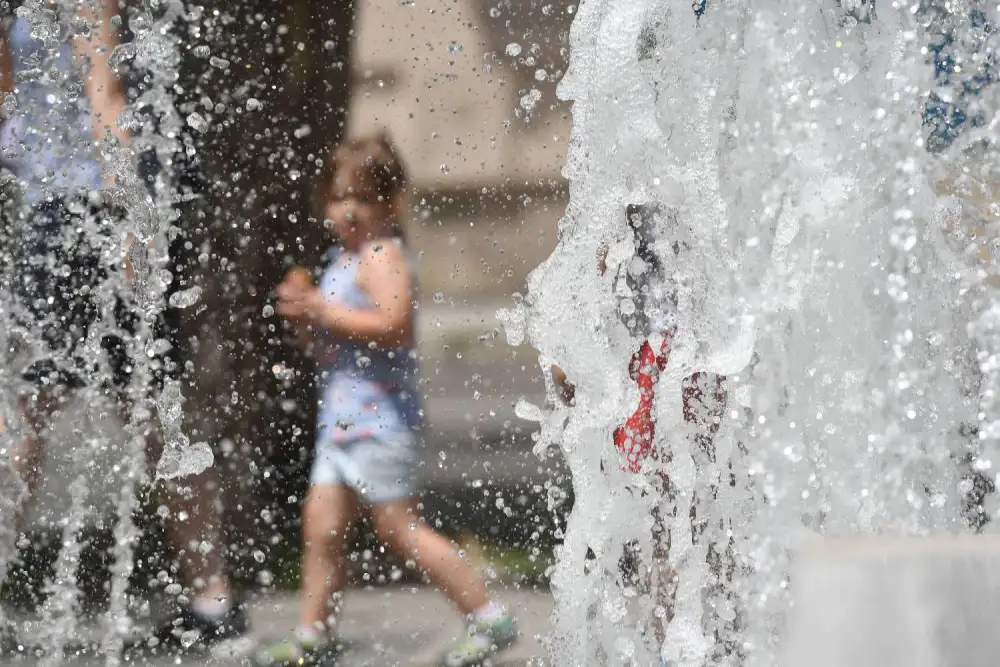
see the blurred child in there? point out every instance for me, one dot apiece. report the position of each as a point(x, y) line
point(360, 320)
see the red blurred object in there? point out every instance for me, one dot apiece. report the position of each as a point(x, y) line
point(635, 438)
point(704, 397)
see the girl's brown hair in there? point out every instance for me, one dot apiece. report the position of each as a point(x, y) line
point(378, 169)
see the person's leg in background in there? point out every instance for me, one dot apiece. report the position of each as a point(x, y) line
point(196, 533)
point(399, 525)
point(663, 576)
point(704, 398)
point(51, 307)
point(195, 521)
point(326, 521)
point(27, 454)
point(327, 513)
point(38, 408)
point(384, 470)
point(329, 508)
point(54, 311)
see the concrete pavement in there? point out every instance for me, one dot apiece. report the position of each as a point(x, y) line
point(388, 627)
point(400, 626)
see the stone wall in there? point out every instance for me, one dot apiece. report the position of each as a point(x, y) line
point(446, 78)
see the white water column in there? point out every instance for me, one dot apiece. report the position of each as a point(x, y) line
point(789, 139)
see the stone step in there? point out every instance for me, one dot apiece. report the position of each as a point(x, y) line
point(921, 602)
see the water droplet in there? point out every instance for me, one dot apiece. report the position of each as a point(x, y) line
point(185, 298)
point(513, 49)
point(121, 54)
point(253, 104)
point(184, 460)
point(197, 121)
point(530, 99)
point(159, 346)
point(438, 297)
point(528, 411)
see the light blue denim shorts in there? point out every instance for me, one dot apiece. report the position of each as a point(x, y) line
point(379, 470)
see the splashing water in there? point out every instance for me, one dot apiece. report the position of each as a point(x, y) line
point(155, 51)
point(60, 611)
point(826, 272)
point(147, 218)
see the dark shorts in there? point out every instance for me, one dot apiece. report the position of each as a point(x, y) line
point(64, 252)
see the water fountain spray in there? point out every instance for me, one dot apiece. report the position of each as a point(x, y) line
point(820, 281)
point(142, 234)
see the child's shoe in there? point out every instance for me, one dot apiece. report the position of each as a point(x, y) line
point(486, 638)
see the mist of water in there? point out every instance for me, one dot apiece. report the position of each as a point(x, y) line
point(829, 278)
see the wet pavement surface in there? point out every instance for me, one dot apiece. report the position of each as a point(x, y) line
point(382, 627)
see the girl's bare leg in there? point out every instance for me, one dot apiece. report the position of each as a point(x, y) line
point(398, 525)
point(326, 518)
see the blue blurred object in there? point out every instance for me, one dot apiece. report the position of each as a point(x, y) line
point(53, 125)
point(956, 103)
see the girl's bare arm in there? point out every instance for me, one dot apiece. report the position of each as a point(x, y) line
point(386, 278)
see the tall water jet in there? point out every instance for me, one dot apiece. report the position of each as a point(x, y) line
point(142, 232)
point(151, 212)
point(821, 279)
point(40, 37)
